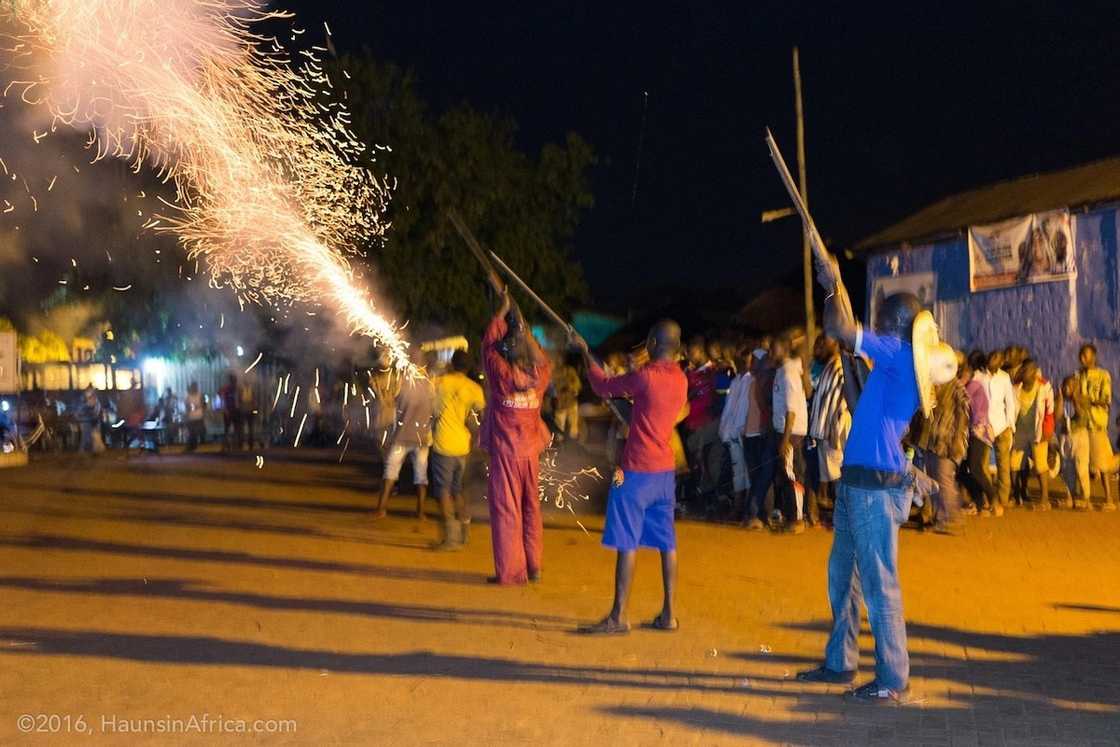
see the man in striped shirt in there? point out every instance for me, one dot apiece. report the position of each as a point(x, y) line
point(829, 423)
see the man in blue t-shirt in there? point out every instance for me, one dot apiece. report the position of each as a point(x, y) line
point(873, 499)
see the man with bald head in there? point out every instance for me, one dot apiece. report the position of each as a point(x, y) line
point(643, 493)
point(873, 497)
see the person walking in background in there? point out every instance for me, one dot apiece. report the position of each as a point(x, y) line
point(1033, 430)
point(247, 406)
point(411, 436)
point(167, 413)
point(981, 438)
point(720, 353)
point(761, 445)
point(517, 376)
point(1013, 359)
point(791, 424)
point(640, 504)
point(459, 402)
point(89, 422)
point(385, 384)
point(231, 420)
point(1066, 409)
point(702, 426)
point(1003, 412)
point(829, 424)
point(943, 438)
point(196, 417)
point(567, 384)
point(732, 423)
point(1093, 399)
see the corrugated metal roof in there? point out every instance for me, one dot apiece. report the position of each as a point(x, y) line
point(1084, 185)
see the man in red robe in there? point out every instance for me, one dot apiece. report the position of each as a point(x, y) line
point(517, 375)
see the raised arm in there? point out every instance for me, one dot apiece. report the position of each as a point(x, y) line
point(839, 318)
point(492, 358)
point(603, 384)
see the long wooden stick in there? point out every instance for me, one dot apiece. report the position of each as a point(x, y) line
point(531, 293)
point(474, 246)
point(820, 252)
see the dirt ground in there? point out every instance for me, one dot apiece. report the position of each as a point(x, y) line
point(144, 593)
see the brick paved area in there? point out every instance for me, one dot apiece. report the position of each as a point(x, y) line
point(180, 586)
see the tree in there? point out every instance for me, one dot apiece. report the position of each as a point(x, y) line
point(524, 208)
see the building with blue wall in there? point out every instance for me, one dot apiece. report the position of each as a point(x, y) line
point(929, 252)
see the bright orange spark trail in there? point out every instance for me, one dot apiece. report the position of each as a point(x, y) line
point(270, 188)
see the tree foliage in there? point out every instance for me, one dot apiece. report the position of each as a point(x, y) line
point(525, 208)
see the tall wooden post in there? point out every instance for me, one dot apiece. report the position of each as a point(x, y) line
point(806, 250)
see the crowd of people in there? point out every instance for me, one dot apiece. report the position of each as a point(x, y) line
point(764, 433)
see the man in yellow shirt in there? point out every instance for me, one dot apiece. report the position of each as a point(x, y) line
point(459, 402)
point(1092, 449)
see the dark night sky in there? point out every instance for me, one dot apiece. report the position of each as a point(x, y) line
point(905, 103)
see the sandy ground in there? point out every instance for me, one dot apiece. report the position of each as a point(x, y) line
point(166, 588)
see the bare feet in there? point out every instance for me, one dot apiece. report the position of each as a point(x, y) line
point(380, 514)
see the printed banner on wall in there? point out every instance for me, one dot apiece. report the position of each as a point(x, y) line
point(1033, 249)
point(921, 284)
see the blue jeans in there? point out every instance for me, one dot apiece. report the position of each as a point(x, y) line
point(864, 564)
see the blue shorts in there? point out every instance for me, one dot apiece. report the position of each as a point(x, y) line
point(640, 512)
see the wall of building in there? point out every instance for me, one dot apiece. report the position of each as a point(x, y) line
point(1050, 319)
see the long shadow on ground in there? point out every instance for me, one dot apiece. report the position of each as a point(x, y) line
point(217, 651)
point(201, 591)
point(77, 544)
point(819, 718)
point(200, 500)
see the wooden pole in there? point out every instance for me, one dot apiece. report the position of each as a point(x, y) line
point(806, 250)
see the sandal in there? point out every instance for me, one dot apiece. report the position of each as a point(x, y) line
point(665, 626)
point(606, 626)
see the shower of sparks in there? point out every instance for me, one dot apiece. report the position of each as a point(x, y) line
point(272, 188)
point(255, 362)
point(300, 431)
point(295, 401)
point(561, 488)
point(276, 399)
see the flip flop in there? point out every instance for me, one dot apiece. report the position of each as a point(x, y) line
point(659, 624)
point(605, 626)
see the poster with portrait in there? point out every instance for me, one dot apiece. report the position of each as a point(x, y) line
point(921, 284)
point(1036, 248)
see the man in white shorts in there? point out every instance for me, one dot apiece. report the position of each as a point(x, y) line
point(411, 435)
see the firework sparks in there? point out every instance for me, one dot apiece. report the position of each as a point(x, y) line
point(255, 362)
point(300, 431)
point(270, 184)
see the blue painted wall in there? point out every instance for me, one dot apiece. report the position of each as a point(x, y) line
point(1050, 319)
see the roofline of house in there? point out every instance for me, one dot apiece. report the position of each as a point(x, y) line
point(869, 250)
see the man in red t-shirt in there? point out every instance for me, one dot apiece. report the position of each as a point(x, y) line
point(640, 505)
point(517, 375)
